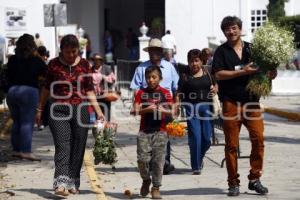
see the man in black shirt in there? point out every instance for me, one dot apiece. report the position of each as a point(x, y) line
point(232, 68)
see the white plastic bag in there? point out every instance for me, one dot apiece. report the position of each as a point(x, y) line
point(98, 128)
point(99, 125)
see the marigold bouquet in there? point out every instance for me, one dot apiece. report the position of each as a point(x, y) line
point(175, 129)
point(271, 46)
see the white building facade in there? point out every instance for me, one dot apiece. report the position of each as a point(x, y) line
point(194, 23)
point(32, 22)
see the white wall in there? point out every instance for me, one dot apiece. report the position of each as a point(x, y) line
point(192, 21)
point(35, 20)
point(286, 83)
point(292, 7)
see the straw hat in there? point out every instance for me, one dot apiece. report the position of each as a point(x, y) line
point(97, 57)
point(153, 43)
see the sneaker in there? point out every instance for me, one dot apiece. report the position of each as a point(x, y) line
point(258, 187)
point(145, 188)
point(168, 168)
point(155, 193)
point(233, 191)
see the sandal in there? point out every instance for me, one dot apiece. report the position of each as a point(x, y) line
point(16, 154)
point(61, 191)
point(74, 191)
point(29, 156)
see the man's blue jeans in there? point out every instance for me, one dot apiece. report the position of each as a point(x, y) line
point(22, 101)
point(199, 132)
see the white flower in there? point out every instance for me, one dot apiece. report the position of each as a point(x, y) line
point(271, 46)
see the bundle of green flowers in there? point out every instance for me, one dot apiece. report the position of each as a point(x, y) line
point(271, 46)
point(105, 149)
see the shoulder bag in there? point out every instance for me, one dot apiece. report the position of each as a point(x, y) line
point(216, 105)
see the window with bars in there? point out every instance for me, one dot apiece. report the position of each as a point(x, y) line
point(258, 17)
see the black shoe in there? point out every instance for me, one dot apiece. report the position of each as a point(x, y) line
point(233, 191)
point(196, 172)
point(258, 187)
point(145, 189)
point(168, 168)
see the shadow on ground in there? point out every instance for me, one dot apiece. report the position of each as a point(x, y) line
point(109, 170)
point(49, 194)
point(284, 140)
point(185, 192)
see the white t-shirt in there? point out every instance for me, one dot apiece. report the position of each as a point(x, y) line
point(168, 42)
point(11, 50)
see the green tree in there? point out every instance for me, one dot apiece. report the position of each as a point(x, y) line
point(276, 9)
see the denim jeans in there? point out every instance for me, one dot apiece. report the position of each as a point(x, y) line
point(199, 132)
point(22, 102)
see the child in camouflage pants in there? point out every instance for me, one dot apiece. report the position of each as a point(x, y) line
point(154, 104)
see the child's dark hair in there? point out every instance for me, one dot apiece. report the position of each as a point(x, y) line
point(152, 69)
point(69, 41)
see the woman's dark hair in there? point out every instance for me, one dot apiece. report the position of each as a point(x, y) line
point(230, 21)
point(25, 46)
point(153, 68)
point(206, 52)
point(69, 41)
point(194, 53)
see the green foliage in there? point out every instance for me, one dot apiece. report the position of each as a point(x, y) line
point(268, 53)
point(289, 20)
point(293, 23)
point(157, 22)
point(104, 148)
point(157, 26)
point(276, 9)
point(259, 85)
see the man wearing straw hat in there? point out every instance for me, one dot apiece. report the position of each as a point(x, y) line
point(169, 81)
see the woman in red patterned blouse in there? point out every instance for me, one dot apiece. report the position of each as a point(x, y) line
point(69, 84)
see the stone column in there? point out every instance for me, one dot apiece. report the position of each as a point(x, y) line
point(144, 40)
point(212, 42)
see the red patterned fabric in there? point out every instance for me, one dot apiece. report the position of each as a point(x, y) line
point(152, 122)
point(76, 81)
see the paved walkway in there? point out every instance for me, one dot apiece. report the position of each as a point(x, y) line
point(33, 180)
point(286, 103)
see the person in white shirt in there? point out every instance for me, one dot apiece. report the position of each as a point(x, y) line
point(169, 42)
point(38, 40)
point(11, 48)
